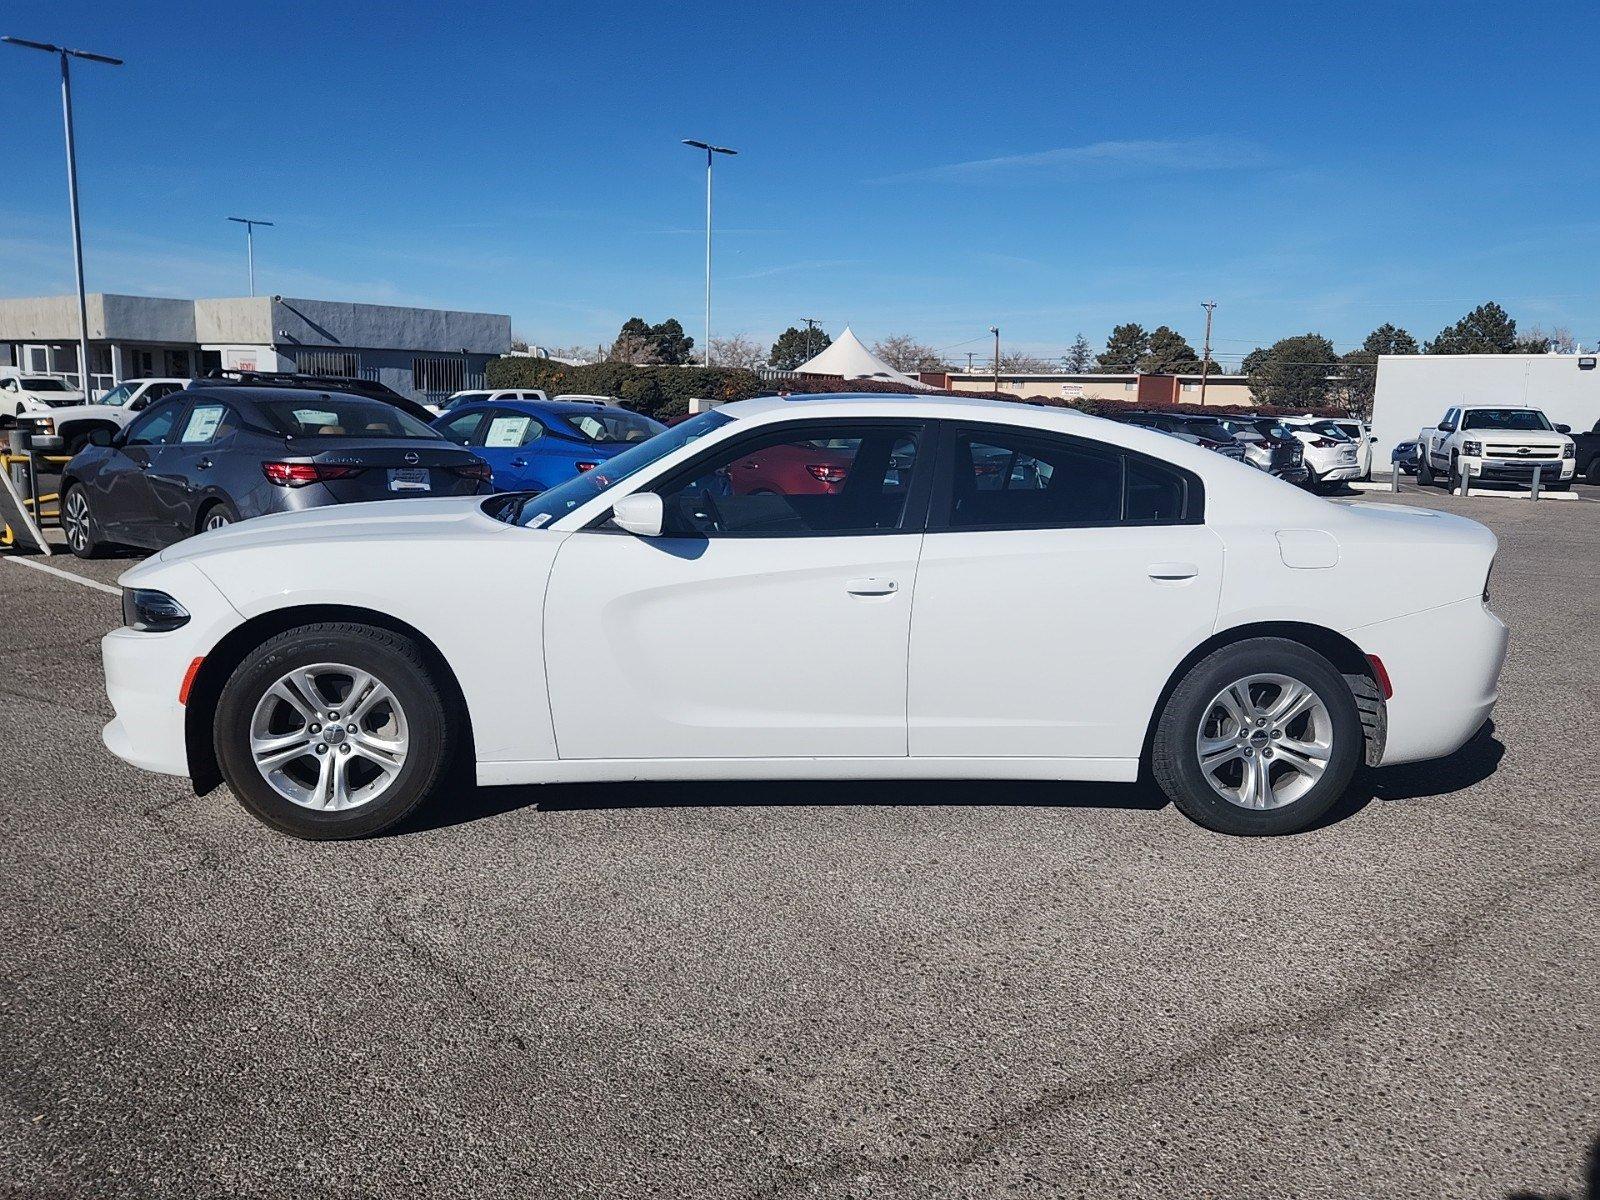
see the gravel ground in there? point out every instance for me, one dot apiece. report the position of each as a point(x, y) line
point(797, 990)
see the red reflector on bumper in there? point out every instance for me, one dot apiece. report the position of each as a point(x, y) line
point(1381, 674)
point(188, 680)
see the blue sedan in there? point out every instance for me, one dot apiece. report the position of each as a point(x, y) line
point(532, 445)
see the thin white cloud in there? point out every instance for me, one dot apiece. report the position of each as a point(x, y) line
point(820, 264)
point(1096, 159)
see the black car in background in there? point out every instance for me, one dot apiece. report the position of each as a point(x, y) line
point(1203, 431)
point(209, 455)
point(1588, 454)
point(1285, 454)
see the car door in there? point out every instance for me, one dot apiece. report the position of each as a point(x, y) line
point(120, 490)
point(766, 625)
point(508, 441)
point(185, 469)
point(1055, 599)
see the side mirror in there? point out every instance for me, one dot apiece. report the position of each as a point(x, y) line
point(640, 514)
point(1563, 428)
point(101, 437)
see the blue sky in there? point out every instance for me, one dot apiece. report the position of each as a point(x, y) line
point(929, 169)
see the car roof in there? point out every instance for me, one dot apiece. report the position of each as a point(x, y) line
point(557, 408)
point(236, 392)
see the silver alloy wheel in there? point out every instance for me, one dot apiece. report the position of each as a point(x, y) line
point(217, 518)
point(75, 520)
point(1264, 741)
point(329, 737)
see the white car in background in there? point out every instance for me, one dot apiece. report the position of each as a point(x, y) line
point(476, 395)
point(845, 587)
point(1331, 456)
point(74, 423)
point(1359, 432)
point(21, 395)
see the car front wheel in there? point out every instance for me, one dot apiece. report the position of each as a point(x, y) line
point(333, 730)
point(78, 524)
point(1260, 737)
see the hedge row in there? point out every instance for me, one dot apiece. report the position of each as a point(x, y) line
point(664, 392)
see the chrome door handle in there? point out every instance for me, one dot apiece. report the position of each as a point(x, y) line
point(872, 587)
point(205, 464)
point(519, 462)
point(1172, 570)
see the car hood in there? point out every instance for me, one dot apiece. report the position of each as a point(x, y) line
point(73, 412)
point(450, 518)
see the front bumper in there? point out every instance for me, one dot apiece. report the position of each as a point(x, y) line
point(1520, 470)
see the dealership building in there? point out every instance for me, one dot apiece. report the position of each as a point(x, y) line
point(425, 353)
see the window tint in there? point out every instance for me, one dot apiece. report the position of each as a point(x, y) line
point(460, 429)
point(1018, 479)
point(614, 425)
point(834, 480)
point(117, 396)
point(155, 426)
point(331, 414)
point(1004, 479)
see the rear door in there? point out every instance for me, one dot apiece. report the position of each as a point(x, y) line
point(509, 441)
point(1054, 597)
point(185, 473)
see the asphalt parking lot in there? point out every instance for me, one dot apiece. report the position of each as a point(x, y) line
point(812, 990)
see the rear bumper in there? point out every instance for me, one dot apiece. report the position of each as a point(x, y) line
point(1445, 665)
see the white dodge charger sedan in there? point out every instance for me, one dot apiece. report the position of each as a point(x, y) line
point(834, 587)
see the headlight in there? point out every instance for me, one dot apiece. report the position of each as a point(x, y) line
point(1472, 448)
point(1569, 451)
point(150, 611)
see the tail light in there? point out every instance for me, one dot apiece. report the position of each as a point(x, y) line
point(826, 472)
point(300, 474)
point(1380, 674)
point(477, 469)
point(586, 466)
point(1323, 443)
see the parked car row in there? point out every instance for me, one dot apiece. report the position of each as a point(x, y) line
point(1311, 451)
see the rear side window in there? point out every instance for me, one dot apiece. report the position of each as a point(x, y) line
point(207, 423)
point(506, 430)
point(1020, 479)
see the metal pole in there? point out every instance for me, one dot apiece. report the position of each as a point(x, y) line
point(77, 229)
point(1205, 355)
point(1533, 493)
point(995, 329)
point(708, 256)
point(250, 252)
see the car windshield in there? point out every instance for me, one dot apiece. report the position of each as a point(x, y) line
point(341, 417)
point(1505, 418)
point(613, 425)
point(540, 510)
point(118, 395)
point(44, 385)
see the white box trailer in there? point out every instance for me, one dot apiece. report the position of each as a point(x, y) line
point(1413, 390)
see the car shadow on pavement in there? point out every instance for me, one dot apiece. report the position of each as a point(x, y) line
point(1470, 765)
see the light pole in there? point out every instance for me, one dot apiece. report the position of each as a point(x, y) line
point(710, 150)
point(995, 329)
point(250, 224)
point(64, 53)
point(1205, 355)
point(811, 323)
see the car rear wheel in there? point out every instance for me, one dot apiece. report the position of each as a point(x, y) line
point(78, 524)
point(1259, 738)
point(218, 515)
point(1594, 469)
point(1424, 471)
point(333, 730)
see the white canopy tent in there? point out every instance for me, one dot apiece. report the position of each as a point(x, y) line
point(849, 358)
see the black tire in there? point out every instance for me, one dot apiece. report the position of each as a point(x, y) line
point(1593, 474)
point(1453, 480)
point(79, 524)
point(390, 657)
point(1174, 760)
point(1424, 470)
point(217, 510)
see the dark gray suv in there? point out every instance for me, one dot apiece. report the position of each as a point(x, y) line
point(209, 456)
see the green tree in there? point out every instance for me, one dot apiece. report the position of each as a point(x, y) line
point(1167, 352)
point(792, 348)
point(1361, 366)
point(663, 343)
point(1487, 329)
point(1126, 345)
point(1252, 361)
point(1294, 372)
point(1078, 359)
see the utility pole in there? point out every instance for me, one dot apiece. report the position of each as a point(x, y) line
point(250, 224)
point(1205, 355)
point(710, 150)
point(995, 329)
point(970, 357)
point(811, 323)
point(66, 54)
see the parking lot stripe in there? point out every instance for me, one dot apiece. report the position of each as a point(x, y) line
point(93, 583)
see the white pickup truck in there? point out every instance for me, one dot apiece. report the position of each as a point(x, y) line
point(1496, 442)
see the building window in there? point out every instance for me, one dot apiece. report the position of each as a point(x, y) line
point(438, 374)
point(1189, 387)
point(343, 363)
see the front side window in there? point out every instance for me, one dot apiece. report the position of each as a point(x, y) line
point(613, 425)
point(824, 479)
point(1022, 479)
point(155, 426)
point(117, 396)
point(461, 428)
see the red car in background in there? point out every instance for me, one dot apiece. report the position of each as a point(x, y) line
point(790, 469)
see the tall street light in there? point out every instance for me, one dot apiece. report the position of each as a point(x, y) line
point(66, 54)
point(995, 329)
point(250, 224)
point(710, 150)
